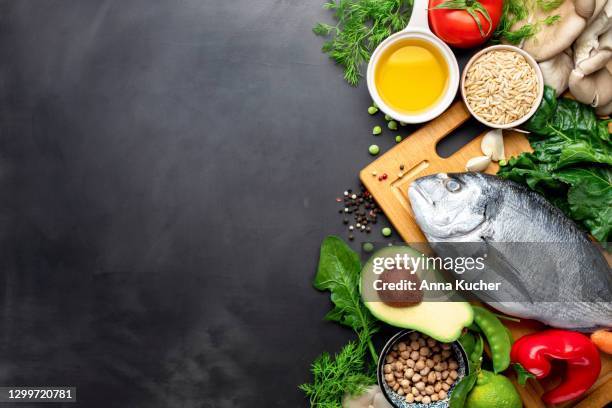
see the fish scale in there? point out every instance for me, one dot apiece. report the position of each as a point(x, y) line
point(550, 270)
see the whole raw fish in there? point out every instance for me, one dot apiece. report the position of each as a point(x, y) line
point(549, 269)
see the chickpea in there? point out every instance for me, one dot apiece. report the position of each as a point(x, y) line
point(389, 377)
point(410, 363)
point(429, 390)
point(431, 378)
point(400, 391)
point(429, 363)
point(414, 391)
point(414, 345)
point(388, 368)
point(442, 395)
point(424, 351)
point(398, 374)
point(446, 354)
point(453, 374)
point(414, 355)
point(431, 342)
point(421, 342)
point(434, 397)
point(425, 371)
point(414, 336)
point(444, 365)
point(396, 387)
point(437, 358)
point(404, 383)
point(409, 373)
point(394, 354)
point(452, 364)
point(445, 386)
point(449, 381)
point(438, 375)
point(437, 387)
point(409, 398)
point(416, 378)
point(436, 349)
point(438, 367)
point(426, 400)
point(401, 346)
point(419, 365)
point(405, 355)
point(445, 374)
point(420, 385)
point(389, 358)
point(418, 398)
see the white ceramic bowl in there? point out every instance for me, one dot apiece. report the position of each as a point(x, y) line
point(536, 102)
point(418, 27)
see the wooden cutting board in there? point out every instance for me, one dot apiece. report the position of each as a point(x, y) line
point(417, 154)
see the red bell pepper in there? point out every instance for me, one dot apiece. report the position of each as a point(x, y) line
point(534, 352)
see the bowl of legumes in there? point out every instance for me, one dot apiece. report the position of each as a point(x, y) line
point(416, 370)
point(502, 86)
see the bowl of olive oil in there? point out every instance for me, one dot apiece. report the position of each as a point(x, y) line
point(413, 76)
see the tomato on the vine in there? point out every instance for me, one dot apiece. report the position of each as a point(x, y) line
point(464, 23)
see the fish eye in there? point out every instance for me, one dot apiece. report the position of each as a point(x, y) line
point(452, 185)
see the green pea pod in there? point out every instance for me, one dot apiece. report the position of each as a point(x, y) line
point(468, 342)
point(462, 389)
point(509, 335)
point(497, 337)
point(475, 358)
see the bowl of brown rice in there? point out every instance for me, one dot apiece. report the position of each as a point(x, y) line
point(502, 86)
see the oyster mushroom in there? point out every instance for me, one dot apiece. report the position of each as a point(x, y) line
point(594, 89)
point(553, 39)
point(556, 71)
point(364, 400)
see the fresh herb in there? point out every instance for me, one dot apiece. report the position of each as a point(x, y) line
point(516, 11)
point(571, 162)
point(361, 26)
point(347, 372)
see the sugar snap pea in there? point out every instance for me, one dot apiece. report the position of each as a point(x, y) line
point(462, 389)
point(468, 342)
point(497, 337)
point(476, 355)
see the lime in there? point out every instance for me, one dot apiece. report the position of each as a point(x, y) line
point(493, 390)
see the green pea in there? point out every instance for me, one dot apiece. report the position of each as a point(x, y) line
point(374, 149)
point(403, 123)
point(462, 389)
point(374, 104)
point(398, 139)
point(368, 246)
point(392, 125)
point(502, 163)
point(497, 337)
point(377, 130)
point(388, 118)
point(386, 232)
point(372, 110)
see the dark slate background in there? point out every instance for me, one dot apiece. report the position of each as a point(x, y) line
point(168, 170)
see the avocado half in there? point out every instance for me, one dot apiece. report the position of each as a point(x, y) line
point(442, 320)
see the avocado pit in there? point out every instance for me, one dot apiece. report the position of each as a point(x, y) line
point(399, 288)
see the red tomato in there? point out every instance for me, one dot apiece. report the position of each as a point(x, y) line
point(455, 26)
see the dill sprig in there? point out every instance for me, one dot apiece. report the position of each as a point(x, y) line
point(518, 10)
point(361, 26)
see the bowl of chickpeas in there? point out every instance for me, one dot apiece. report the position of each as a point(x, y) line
point(415, 370)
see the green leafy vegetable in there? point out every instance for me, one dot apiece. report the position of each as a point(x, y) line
point(361, 26)
point(347, 372)
point(515, 11)
point(571, 162)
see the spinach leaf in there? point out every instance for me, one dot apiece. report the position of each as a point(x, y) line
point(570, 164)
point(339, 272)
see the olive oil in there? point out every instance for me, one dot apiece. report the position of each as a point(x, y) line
point(411, 76)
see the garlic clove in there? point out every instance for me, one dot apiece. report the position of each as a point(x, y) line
point(479, 163)
point(381, 402)
point(492, 145)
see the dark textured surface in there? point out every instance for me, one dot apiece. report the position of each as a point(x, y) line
point(168, 170)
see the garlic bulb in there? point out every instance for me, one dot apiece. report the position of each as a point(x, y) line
point(492, 144)
point(479, 163)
